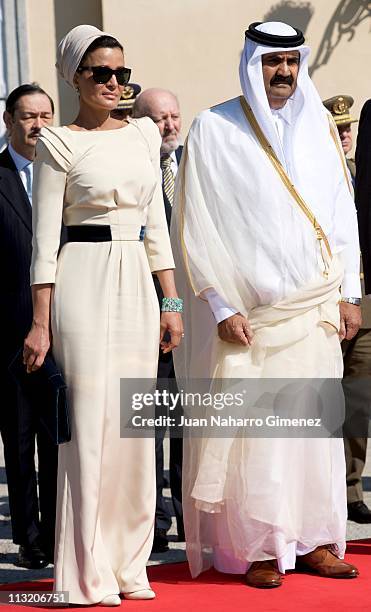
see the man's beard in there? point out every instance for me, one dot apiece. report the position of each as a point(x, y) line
point(169, 146)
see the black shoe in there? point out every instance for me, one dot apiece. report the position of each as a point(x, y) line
point(358, 512)
point(49, 554)
point(181, 535)
point(31, 556)
point(160, 541)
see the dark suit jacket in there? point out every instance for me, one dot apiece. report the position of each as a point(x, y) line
point(363, 190)
point(178, 154)
point(15, 260)
point(167, 357)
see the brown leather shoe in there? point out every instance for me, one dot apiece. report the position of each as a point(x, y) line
point(325, 563)
point(264, 574)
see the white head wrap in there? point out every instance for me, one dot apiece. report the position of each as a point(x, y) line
point(252, 83)
point(308, 151)
point(72, 48)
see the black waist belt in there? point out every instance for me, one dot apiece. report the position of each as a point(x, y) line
point(96, 233)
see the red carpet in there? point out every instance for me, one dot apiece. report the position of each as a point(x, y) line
point(214, 592)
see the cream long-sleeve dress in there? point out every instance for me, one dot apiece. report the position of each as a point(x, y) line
point(105, 326)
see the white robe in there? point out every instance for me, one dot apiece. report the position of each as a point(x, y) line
point(238, 232)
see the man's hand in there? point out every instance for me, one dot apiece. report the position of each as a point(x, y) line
point(350, 320)
point(236, 329)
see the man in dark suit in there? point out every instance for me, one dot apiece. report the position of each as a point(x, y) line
point(28, 109)
point(163, 108)
point(357, 352)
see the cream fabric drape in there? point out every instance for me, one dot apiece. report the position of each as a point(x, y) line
point(247, 499)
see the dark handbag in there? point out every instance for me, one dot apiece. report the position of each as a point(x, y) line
point(46, 391)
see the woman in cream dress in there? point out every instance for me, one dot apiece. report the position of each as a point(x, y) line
point(105, 323)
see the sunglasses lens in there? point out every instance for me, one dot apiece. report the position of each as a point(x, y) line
point(101, 74)
point(123, 76)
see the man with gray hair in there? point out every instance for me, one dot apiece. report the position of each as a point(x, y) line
point(163, 108)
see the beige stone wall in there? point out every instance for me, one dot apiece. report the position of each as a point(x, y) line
point(344, 72)
point(41, 46)
point(193, 46)
point(68, 14)
point(47, 22)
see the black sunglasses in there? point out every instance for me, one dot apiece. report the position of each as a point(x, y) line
point(102, 74)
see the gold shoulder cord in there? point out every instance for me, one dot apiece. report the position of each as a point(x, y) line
point(268, 149)
point(335, 137)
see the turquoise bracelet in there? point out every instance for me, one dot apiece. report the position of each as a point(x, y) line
point(172, 304)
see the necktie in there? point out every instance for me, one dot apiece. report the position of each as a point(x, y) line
point(167, 178)
point(27, 171)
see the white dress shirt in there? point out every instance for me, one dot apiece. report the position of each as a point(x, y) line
point(25, 170)
point(174, 164)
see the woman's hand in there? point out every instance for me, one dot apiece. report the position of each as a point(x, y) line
point(38, 340)
point(36, 345)
point(172, 323)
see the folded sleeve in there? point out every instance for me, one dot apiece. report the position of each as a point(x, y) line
point(47, 198)
point(346, 215)
point(351, 256)
point(345, 220)
point(157, 240)
point(221, 310)
point(351, 285)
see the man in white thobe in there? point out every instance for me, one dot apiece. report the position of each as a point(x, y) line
point(265, 234)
